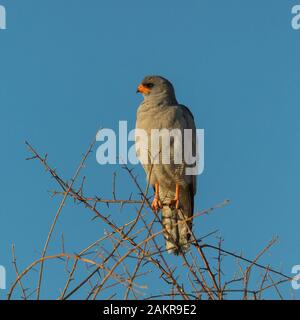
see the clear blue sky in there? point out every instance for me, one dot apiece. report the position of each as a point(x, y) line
point(70, 67)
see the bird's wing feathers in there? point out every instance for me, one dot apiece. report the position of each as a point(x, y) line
point(190, 124)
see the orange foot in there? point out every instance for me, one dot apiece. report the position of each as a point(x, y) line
point(156, 204)
point(175, 202)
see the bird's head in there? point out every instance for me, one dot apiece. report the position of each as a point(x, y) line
point(158, 89)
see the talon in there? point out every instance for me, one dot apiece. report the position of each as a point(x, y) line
point(156, 203)
point(175, 203)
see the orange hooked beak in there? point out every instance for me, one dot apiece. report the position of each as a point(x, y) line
point(142, 89)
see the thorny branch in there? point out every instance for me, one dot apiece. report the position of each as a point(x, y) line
point(123, 263)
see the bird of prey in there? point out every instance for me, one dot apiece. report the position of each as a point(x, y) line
point(174, 189)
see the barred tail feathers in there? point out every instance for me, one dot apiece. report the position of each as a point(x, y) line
point(177, 230)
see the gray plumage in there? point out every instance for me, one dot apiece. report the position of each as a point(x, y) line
point(159, 110)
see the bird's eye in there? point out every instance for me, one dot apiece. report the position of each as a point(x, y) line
point(149, 85)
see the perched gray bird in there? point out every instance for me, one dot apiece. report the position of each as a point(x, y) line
point(174, 189)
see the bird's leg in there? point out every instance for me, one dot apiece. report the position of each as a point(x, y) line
point(156, 203)
point(175, 202)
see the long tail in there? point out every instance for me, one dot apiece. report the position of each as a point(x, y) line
point(177, 231)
